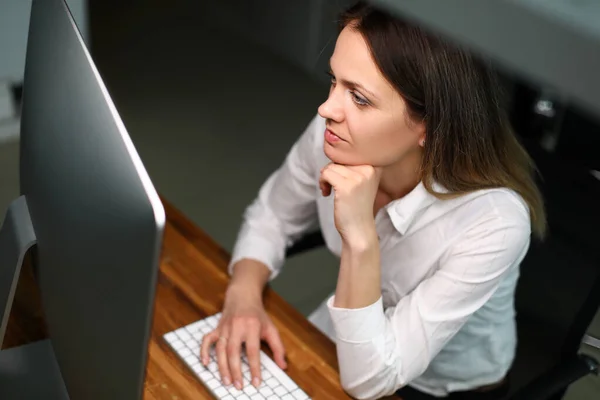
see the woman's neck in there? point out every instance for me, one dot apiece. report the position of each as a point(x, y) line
point(399, 179)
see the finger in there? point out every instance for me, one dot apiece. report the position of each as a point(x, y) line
point(323, 184)
point(342, 170)
point(207, 342)
point(222, 361)
point(368, 171)
point(325, 187)
point(332, 178)
point(234, 356)
point(253, 355)
point(273, 339)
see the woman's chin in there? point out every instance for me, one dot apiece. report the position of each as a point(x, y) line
point(338, 156)
point(335, 155)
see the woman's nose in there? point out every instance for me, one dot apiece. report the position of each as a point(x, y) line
point(332, 108)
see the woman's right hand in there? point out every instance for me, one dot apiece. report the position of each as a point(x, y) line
point(243, 322)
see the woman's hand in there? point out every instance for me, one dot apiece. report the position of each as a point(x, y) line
point(355, 188)
point(243, 322)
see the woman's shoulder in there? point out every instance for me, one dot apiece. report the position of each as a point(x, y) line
point(488, 209)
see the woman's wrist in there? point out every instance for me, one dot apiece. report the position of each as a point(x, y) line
point(249, 279)
point(363, 241)
point(359, 278)
point(243, 291)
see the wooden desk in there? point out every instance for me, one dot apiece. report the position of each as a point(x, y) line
point(191, 285)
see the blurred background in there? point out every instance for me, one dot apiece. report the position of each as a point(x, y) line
point(215, 93)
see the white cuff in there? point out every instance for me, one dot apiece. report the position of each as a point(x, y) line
point(357, 325)
point(258, 249)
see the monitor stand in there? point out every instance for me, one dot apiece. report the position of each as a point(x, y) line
point(30, 371)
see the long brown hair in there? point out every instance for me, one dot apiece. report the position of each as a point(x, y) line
point(469, 144)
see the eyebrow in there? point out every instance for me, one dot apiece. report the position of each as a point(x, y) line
point(353, 84)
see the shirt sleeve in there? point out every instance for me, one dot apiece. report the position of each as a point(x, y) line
point(397, 344)
point(285, 206)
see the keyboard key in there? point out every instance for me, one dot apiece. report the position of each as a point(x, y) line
point(278, 373)
point(183, 334)
point(184, 352)
point(220, 391)
point(266, 374)
point(266, 391)
point(272, 382)
point(250, 390)
point(192, 360)
point(196, 325)
point(197, 368)
point(206, 329)
point(213, 383)
point(171, 337)
point(191, 343)
point(287, 397)
point(280, 391)
point(189, 330)
point(206, 376)
point(273, 398)
point(213, 367)
point(212, 322)
point(243, 397)
point(257, 396)
point(229, 397)
point(262, 385)
point(178, 345)
point(235, 392)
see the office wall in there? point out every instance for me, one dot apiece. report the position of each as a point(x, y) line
point(303, 32)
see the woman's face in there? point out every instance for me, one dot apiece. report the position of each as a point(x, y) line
point(367, 120)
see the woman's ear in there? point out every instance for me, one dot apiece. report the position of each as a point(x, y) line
point(422, 133)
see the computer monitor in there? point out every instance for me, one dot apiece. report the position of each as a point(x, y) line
point(89, 206)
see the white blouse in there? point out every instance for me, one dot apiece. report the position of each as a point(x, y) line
point(445, 321)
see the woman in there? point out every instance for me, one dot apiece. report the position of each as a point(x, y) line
point(421, 188)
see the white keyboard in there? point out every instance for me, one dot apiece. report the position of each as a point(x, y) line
point(276, 384)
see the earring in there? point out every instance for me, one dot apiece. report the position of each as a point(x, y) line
point(423, 143)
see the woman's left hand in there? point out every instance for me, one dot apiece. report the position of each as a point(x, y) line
point(355, 188)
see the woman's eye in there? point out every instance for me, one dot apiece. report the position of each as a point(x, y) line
point(359, 100)
point(331, 78)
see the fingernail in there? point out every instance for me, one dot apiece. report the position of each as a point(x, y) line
point(256, 382)
point(205, 361)
point(226, 381)
point(238, 385)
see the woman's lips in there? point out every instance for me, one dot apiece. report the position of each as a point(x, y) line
point(331, 137)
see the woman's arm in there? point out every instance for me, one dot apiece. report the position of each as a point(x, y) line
point(359, 278)
point(284, 209)
point(396, 345)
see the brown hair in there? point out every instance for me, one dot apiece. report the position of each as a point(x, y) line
point(470, 144)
